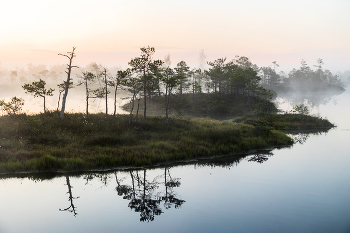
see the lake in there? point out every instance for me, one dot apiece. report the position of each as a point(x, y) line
point(303, 188)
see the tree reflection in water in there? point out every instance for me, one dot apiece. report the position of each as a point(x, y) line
point(145, 196)
point(71, 208)
point(301, 136)
point(169, 197)
point(260, 157)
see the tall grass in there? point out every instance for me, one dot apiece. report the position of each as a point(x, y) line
point(285, 121)
point(45, 142)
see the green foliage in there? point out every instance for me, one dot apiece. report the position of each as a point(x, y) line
point(300, 109)
point(38, 89)
point(13, 107)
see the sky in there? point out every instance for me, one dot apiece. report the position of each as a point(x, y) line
point(111, 32)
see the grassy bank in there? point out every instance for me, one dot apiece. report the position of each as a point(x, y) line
point(284, 121)
point(46, 142)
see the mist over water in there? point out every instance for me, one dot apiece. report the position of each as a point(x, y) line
point(304, 188)
point(11, 83)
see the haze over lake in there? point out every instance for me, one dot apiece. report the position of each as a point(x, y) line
point(304, 188)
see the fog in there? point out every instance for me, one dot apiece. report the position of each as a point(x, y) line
point(310, 85)
point(11, 82)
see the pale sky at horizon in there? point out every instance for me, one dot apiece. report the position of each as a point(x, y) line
point(111, 32)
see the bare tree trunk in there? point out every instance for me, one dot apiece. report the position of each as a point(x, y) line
point(106, 92)
point(44, 104)
point(58, 102)
point(87, 97)
point(144, 100)
point(132, 107)
point(138, 107)
point(106, 85)
point(68, 79)
point(115, 100)
point(167, 104)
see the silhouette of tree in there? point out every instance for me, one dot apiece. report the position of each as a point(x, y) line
point(147, 68)
point(61, 88)
point(182, 71)
point(38, 89)
point(70, 56)
point(120, 79)
point(86, 78)
point(134, 86)
point(171, 81)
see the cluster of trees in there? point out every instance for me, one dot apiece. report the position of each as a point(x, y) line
point(147, 78)
point(238, 77)
point(305, 76)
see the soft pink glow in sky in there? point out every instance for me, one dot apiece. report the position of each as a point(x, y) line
point(111, 32)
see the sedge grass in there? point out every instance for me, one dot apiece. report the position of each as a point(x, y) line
point(44, 142)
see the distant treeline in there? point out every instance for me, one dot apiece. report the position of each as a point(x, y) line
point(303, 79)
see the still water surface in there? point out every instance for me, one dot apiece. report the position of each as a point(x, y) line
point(305, 188)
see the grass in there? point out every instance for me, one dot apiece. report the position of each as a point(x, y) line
point(284, 121)
point(44, 142)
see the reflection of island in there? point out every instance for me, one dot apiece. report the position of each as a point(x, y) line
point(70, 208)
point(298, 136)
point(145, 196)
point(301, 136)
point(260, 157)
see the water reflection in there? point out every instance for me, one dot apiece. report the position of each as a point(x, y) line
point(301, 136)
point(260, 157)
point(148, 192)
point(70, 208)
point(145, 195)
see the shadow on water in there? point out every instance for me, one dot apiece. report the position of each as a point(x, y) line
point(151, 195)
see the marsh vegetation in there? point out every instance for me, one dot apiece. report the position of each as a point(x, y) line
point(77, 142)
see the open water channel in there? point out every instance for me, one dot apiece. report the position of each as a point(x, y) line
point(304, 188)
